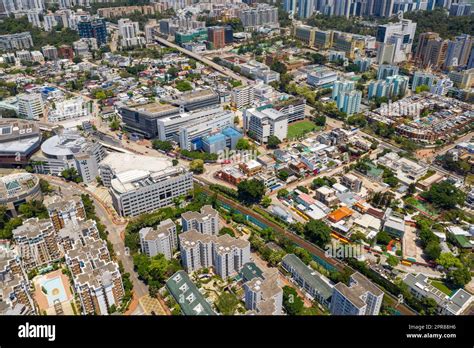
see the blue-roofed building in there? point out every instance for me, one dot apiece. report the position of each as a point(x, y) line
point(214, 143)
point(227, 138)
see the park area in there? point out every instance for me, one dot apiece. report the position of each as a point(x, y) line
point(422, 206)
point(299, 129)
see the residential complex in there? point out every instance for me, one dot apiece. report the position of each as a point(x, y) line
point(159, 240)
point(224, 253)
point(361, 297)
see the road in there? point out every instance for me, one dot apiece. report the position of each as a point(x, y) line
point(204, 60)
point(310, 247)
point(115, 231)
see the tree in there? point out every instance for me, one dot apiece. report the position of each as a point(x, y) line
point(322, 181)
point(392, 260)
point(430, 305)
point(411, 189)
point(243, 144)
point(422, 88)
point(448, 260)
point(433, 250)
point(292, 303)
point(197, 166)
point(282, 193)
point(114, 124)
point(266, 201)
point(33, 209)
point(444, 195)
point(318, 232)
point(273, 142)
point(279, 67)
point(383, 238)
point(162, 145)
point(459, 277)
point(283, 175)
point(227, 230)
point(183, 86)
point(319, 120)
point(227, 303)
point(71, 174)
point(302, 189)
point(45, 187)
point(175, 162)
point(173, 72)
point(250, 191)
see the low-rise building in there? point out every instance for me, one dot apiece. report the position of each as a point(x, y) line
point(313, 283)
point(421, 288)
point(187, 295)
point(19, 188)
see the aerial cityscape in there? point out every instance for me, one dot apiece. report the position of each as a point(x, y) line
point(237, 157)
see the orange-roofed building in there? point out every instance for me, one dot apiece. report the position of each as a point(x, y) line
point(339, 214)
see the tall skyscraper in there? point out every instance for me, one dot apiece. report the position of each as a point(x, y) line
point(458, 51)
point(95, 28)
point(305, 8)
point(289, 6)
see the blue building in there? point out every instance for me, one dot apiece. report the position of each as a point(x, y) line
point(391, 87)
point(215, 143)
point(363, 64)
point(347, 98)
point(289, 6)
point(93, 28)
point(386, 70)
point(228, 35)
point(421, 78)
point(305, 8)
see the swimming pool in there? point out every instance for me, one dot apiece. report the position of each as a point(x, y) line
point(55, 290)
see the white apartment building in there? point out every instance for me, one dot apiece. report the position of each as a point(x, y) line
point(205, 222)
point(36, 241)
point(260, 124)
point(264, 294)
point(69, 109)
point(361, 297)
point(30, 106)
point(97, 279)
point(49, 22)
point(243, 96)
point(129, 33)
point(162, 239)
point(224, 253)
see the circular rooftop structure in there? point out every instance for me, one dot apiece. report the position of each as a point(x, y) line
point(65, 144)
